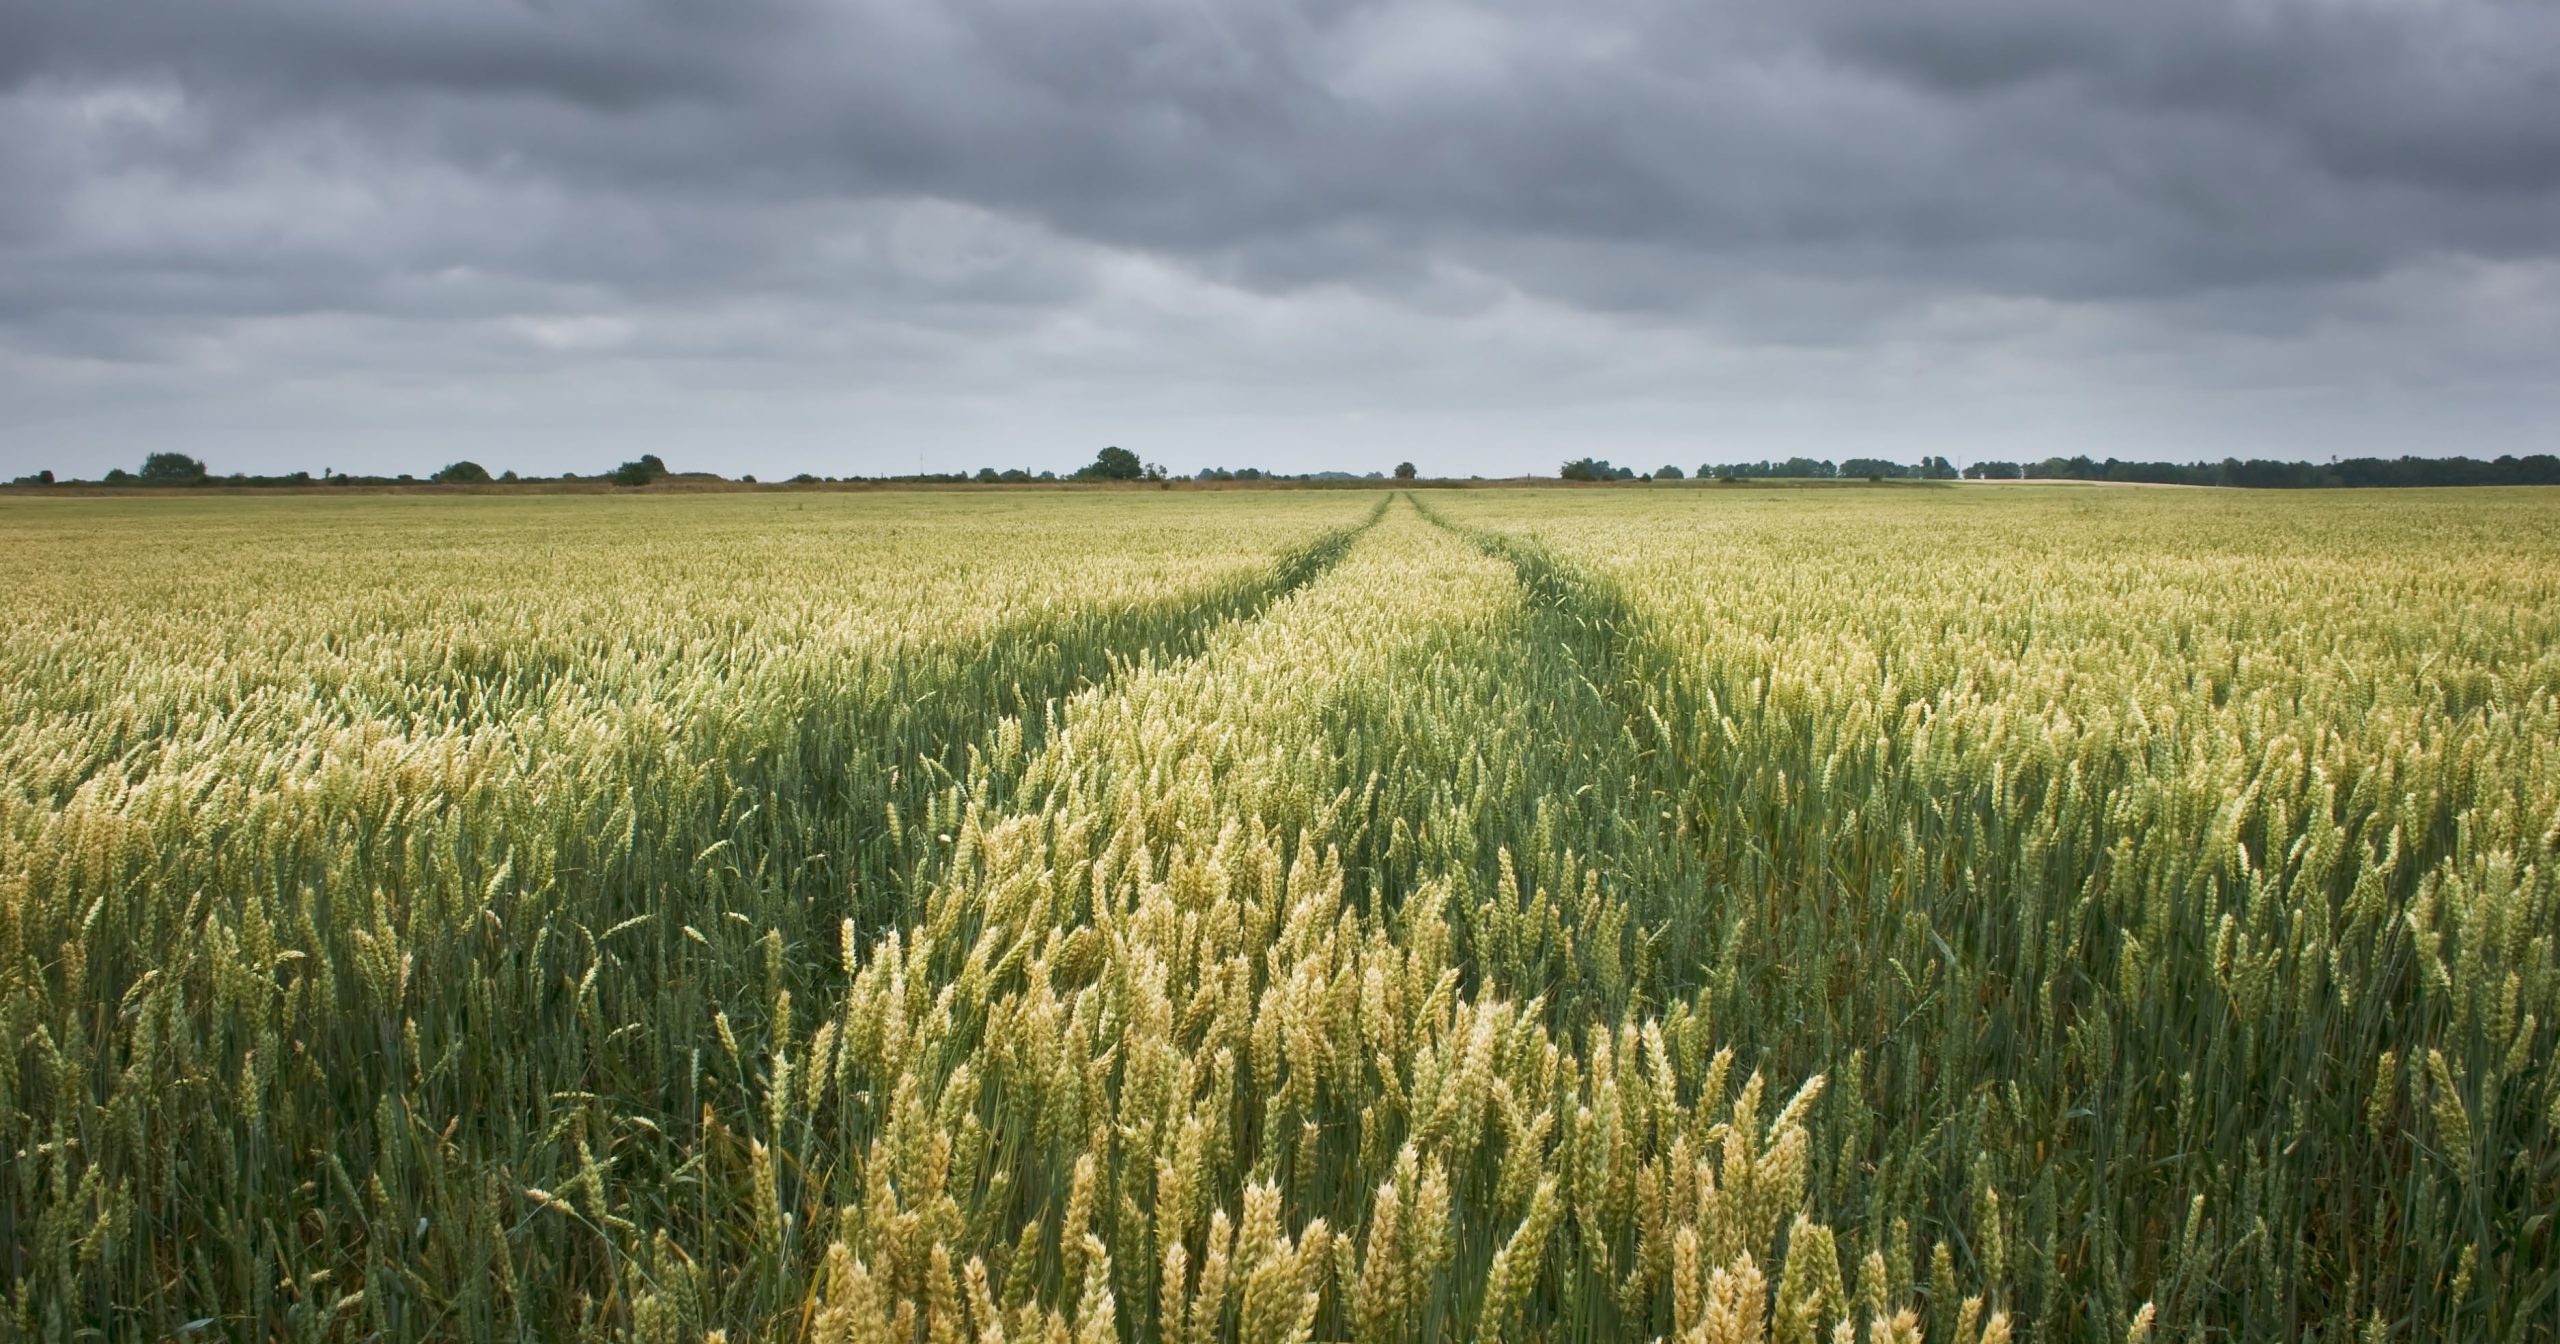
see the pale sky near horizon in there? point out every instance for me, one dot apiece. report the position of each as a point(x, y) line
point(865, 236)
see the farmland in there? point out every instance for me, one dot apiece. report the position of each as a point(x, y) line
point(1971, 914)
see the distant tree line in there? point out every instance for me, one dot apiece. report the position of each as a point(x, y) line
point(2254, 474)
point(1114, 464)
point(1600, 469)
point(1117, 464)
point(1807, 468)
point(1794, 468)
point(2352, 473)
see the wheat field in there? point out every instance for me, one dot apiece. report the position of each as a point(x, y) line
point(1697, 914)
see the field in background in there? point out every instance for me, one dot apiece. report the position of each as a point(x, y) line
point(2053, 914)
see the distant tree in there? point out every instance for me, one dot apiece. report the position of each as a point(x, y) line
point(462, 473)
point(647, 469)
point(36, 478)
point(118, 476)
point(172, 469)
point(1669, 474)
point(1014, 476)
point(1591, 469)
point(1112, 464)
point(986, 476)
point(1994, 471)
point(2078, 468)
point(1155, 471)
point(1404, 471)
point(508, 478)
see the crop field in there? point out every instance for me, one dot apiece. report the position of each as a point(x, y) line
point(1701, 914)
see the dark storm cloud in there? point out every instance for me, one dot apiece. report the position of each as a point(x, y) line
point(974, 221)
point(2449, 96)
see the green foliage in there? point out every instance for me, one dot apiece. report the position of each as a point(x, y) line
point(462, 473)
point(646, 470)
point(1112, 464)
point(1793, 468)
point(171, 469)
point(1594, 469)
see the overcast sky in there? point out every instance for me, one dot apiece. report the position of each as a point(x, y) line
point(852, 236)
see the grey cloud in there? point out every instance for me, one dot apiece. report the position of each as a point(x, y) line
point(958, 210)
point(2445, 95)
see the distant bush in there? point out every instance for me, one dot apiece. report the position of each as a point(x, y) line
point(462, 473)
point(1112, 464)
point(172, 469)
point(1793, 467)
point(644, 471)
